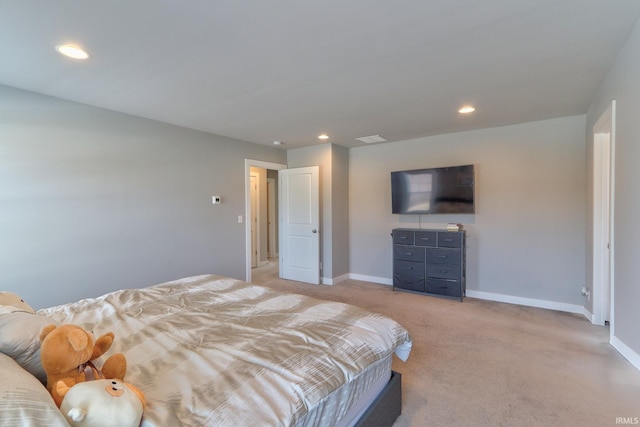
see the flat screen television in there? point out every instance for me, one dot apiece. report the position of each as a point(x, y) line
point(448, 190)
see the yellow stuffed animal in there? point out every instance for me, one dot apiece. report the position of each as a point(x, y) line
point(102, 403)
point(11, 303)
point(67, 349)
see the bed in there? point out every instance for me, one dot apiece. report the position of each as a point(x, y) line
point(211, 350)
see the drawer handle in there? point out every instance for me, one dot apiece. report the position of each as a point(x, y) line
point(448, 240)
point(425, 238)
point(402, 237)
point(408, 268)
point(444, 271)
point(443, 287)
point(408, 253)
point(442, 256)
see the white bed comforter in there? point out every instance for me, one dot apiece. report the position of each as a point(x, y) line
point(210, 350)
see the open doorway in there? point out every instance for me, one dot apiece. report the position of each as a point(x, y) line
point(261, 224)
point(264, 224)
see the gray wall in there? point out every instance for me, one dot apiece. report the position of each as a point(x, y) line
point(527, 238)
point(93, 201)
point(340, 211)
point(623, 85)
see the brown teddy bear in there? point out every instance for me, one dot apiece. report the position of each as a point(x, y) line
point(67, 349)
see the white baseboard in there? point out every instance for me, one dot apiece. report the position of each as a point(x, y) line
point(551, 305)
point(334, 280)
point(530, 302)
point(374, 279)
point(626, 352)
point(587, 314)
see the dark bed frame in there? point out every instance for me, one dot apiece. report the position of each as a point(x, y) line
point(386, 408)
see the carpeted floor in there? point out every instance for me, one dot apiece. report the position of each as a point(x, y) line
point(484, 363)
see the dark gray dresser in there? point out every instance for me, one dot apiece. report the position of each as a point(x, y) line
point(429, 262)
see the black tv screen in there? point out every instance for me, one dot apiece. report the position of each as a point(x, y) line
point(448, 190)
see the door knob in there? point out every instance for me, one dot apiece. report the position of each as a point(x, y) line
point(314, 231)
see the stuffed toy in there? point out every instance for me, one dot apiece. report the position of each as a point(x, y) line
point(11, 303)
point(101, 403)
point(67, 350)
point(20, 328)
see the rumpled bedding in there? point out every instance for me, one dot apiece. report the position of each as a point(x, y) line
point(211, 350)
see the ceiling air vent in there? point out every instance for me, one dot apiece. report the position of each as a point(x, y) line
point(371, 139)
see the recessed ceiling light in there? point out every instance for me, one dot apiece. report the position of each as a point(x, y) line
point(323, 136)
point(277, 142)
point(466, 109)
point(72, 51)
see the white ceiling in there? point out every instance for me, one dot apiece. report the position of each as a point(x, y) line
point(288, 70)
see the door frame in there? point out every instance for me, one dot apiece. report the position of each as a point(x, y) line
point(603, 205)
point(248, 163)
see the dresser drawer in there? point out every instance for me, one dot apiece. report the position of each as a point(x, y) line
point(408, 253)
point(413, 268)
point(406, 281)
point(403, 237)
point(448, 239)
point(444, 271)
point(443, 256)
point(426, 238)
point(443, 287)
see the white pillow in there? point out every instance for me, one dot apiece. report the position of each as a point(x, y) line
point(24, 401)
point(20, 340)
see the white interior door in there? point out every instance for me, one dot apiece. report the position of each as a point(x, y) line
point(603, 139)
point(299, 196)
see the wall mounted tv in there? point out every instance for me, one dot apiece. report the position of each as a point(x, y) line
point(448, 190)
